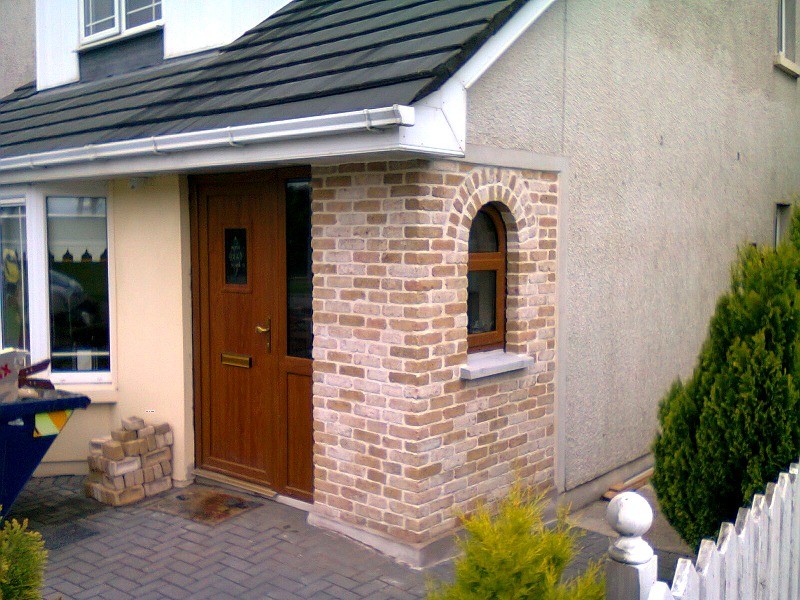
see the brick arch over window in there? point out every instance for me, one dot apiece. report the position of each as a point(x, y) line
point(519, 200)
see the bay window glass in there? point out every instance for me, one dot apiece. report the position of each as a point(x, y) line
point(77, 245)
point(14, 299)
point(486, 281)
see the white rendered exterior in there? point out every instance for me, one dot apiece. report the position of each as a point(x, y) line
point(151, 343)
point(681, 136)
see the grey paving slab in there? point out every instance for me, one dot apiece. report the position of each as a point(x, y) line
point(98, 552)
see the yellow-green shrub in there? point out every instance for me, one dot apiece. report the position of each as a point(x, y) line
point(513, 556)
point(22, 559)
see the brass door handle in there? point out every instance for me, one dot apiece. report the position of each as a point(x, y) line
point(267, 330)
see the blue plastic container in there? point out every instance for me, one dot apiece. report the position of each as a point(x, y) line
point(27, 429)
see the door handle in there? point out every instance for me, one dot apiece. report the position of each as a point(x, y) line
point(266, 330)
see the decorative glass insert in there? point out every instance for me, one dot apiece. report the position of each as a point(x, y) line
point(77, 244)
point(14, 300)
point(140, 12)
point(298, 269)
point(236, 256)
point(98, 16)
point(481, 301)
point(483, 234)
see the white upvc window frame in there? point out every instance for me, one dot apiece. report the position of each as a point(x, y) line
point(35, 201)
point(785, 56)
point(120, 29)
point(101, 35)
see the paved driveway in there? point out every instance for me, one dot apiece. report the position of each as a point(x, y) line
point(138, 552)
point(266, 552)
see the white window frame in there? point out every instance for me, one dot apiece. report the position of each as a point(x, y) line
point(785, 56)
point(35, 201)
point(13, 201)
point(120, 28)
point(783, 219)
point(782, 30)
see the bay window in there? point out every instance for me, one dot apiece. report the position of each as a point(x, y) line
point(78, 276)
point(55, 283)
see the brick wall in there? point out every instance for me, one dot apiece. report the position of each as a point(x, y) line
point(401, 442)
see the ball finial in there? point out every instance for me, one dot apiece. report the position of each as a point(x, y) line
point(630, 515)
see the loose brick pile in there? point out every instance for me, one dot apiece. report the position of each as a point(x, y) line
point(135, 461)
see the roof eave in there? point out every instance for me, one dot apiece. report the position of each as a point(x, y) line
point(345, 134)
point(433, 126)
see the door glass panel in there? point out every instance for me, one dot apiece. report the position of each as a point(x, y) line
point(481, 300)
point(298, 269)
point(78, 249)
point(14, 300)
point(236, 256)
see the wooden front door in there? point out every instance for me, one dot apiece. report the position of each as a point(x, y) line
point(252, 328)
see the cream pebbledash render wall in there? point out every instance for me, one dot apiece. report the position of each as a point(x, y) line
point(152, 340)
point(402, 443)
point(681, 136)
point(17, 52)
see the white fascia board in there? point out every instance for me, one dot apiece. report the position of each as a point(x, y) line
point(441, 123)
point(445, 110)
point(320, 149)
point(289, 140)
point(495, 46)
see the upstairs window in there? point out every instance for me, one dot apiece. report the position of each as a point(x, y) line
point(486, 281)
point(104, 18)
point(787, 14)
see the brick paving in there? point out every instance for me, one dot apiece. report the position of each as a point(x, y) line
point(267, 552)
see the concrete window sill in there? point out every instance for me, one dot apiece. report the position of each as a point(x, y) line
point(495, 362)
point(787, 66)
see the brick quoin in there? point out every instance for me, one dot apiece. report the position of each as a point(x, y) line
point(402, 444)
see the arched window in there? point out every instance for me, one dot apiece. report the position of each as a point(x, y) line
point(486, 281)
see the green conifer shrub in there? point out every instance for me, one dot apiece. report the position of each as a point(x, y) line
point(514, 556)
point(22, 559)
point(735, 424)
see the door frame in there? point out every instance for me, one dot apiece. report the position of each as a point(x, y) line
point(200, 340)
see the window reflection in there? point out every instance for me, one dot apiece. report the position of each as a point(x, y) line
point(77, 245)
point(14, 300)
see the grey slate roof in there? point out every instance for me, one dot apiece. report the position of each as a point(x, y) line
point(313, 57)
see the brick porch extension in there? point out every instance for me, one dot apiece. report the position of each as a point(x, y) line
point(402, 443)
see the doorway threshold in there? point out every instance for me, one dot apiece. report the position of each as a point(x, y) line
point(253, 488)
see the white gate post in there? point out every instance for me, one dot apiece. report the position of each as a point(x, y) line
point(633, 568)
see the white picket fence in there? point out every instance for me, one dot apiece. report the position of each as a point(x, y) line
point(757, 558)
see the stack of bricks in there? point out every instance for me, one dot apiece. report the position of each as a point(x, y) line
point(135, 461)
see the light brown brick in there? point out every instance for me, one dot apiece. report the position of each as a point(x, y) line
point(123, 435)
point(113, 450)
point(158, 486)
